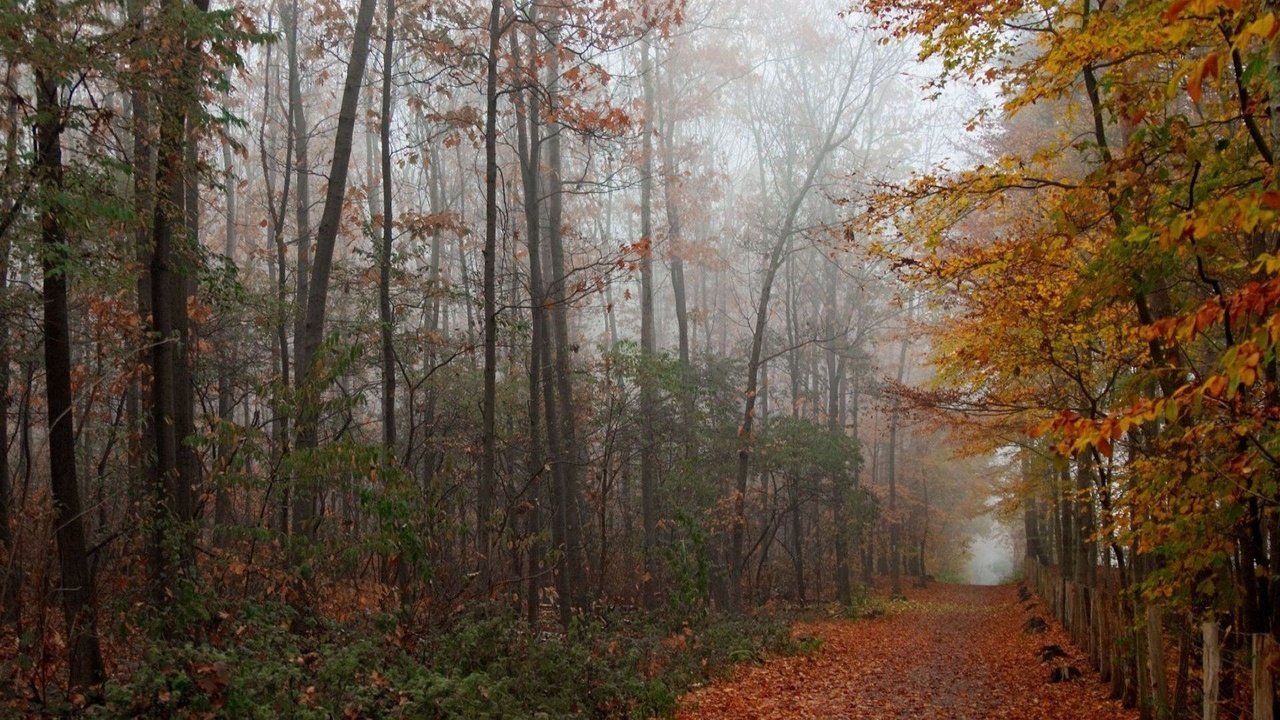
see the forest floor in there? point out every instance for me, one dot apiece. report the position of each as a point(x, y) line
point(953, 652)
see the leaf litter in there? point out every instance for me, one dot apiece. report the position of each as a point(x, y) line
point(953, 652)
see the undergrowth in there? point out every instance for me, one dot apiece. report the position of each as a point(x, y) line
point(488, 664)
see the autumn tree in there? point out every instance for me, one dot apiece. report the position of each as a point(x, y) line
point(1132, 296)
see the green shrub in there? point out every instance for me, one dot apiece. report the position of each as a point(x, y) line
point(489, 664)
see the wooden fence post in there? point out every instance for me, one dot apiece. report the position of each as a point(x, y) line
point(1099, 630)
point(1212, 664)
point(1116, 661)
point(1157, 676)
point(1264, 686)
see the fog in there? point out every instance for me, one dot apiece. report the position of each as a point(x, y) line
point(990, 556)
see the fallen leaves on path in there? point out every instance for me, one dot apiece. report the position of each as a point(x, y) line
point(951, 652)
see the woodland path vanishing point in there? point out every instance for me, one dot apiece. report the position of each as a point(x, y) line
point(954, 652)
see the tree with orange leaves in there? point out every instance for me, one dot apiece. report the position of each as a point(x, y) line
point(1113, 282)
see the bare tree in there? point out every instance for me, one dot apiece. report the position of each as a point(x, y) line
point(801, 133)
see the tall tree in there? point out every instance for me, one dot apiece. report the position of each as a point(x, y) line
point(385, 317)
point(10, 579)
point(171, 262)
point(488, 452)
point(840, 487)
point(222, 510)
point(891, 469)
point(310, 375)
point(301, 141)
point(529, 151)
point(648, 343)
point(77, 590)
point(568, 458)
point(277, 213)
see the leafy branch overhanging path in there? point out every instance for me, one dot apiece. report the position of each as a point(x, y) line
point(953, 652)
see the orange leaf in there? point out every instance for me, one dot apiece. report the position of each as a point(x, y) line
point(1175, 9)
point(1208, 67)
point(1215, 386)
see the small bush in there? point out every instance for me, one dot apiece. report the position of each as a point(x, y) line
point(864, 605)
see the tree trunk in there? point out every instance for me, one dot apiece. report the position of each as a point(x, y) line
point(648, 349)
point(541, 350)
point(384, 255)
point(79, 598)
point(184, 411)
point(1086, 565)
point(1031, 513)
point(797, 536)
point(863, 530)
point(310, 381)
point(302, 170)
point(1157, 676)
point(670, 173)
point(10, 579)
point(143, 169)
point(226, 403)
point(679, 291)
point(10, 589)
point(839, 486)
point(528, 153)
point(923, 574)
point(175, 466)
point(568, 457)
point(488, 453)
point(436, 195)
point(142, 466)
point(1211, 669)
point(895, 523)
point(794, 376)
point(278, 272)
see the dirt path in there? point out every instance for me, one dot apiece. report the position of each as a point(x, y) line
point(953, 651)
